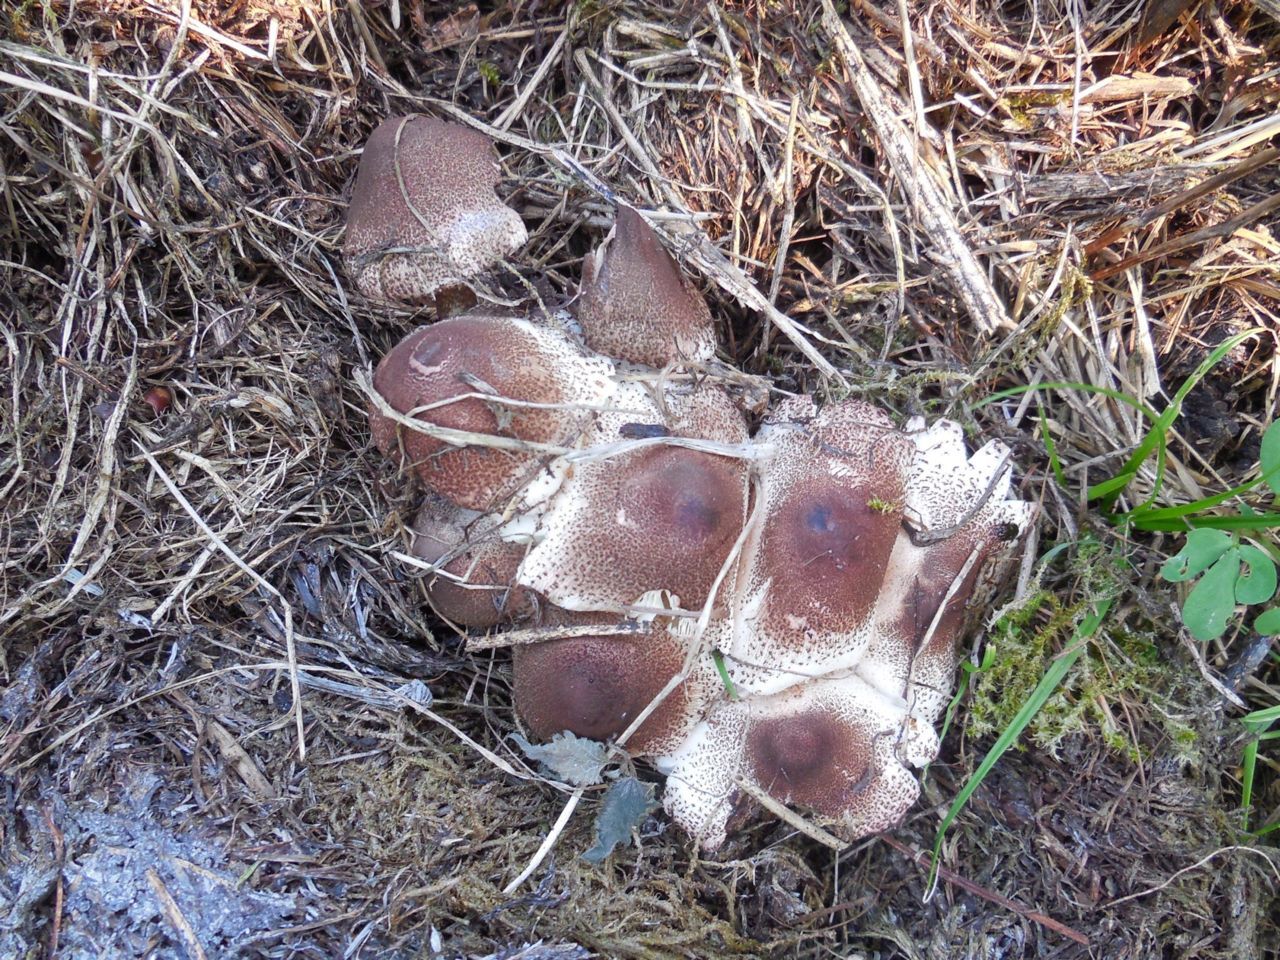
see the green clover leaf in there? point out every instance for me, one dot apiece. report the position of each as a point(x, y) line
point(1203, 548)
point(1268, 622)
point(1257, 581)
point(1212, 601)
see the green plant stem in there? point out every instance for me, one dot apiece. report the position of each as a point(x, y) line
point(1044, 689)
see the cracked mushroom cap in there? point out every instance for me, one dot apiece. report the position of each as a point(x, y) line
point(475, 585)
point(661, 517)
point(635, 305)
point(423, 211)
point(960, 523)
point(595, 686)
point(489, 377)
point(813, 569)
point(827, 747)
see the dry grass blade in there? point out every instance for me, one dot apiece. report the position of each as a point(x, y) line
point(933, 209)
point(285, 609)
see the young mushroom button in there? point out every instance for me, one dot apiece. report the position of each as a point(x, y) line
point(424, 216)
point(474, 584)
point(635, 305)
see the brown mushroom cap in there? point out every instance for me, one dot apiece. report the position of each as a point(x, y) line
point(827, 746)
point(595, 687)
point(660, 517)
point(813, 569)
point(496, 356)
point(476, 584)
point(933, 586)
point(635, 305)
point(793, 757)
point(838, 622)
point(423, 210)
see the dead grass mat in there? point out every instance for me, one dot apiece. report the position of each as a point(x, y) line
point(196, 580)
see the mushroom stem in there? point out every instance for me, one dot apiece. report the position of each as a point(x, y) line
point(453, 299)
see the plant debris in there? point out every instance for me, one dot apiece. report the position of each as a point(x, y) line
point(626, 803)
point(568, 757)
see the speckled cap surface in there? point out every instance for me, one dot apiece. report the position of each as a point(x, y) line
point(865, 547)
point(833, 487)
point(634, 304)
point(491, 377)
point(660, 517)
point(597, 686)
point(423, 210)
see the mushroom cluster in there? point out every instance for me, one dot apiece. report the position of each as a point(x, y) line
point(768, 612)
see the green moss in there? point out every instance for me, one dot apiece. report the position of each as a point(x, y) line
point(1076, 289)
point(1024, 640)
point(1120, 681)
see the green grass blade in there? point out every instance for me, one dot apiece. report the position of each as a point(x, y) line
point(967, 673)
point(1269, 475)
point(1116, 395)
point(718, 658)
point(1256, 521)
point(1195, 506)
point(1260, 720)
point(1250, 765)
point(1009, 736)
point(1269, 456)
point(1054, 463)
point(1156, 436)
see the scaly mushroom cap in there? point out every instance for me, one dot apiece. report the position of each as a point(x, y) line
point(661, 517)
point(826, 746)
point(837, 622)
point(475, 585)
point(423, 210)
point(595, 687)
point(959, 523)
point(464, 369)
point(635, 305)
point(813, 569)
